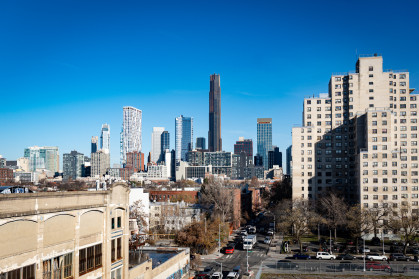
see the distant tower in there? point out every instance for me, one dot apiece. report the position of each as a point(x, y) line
point(200, 143)
point(264, 137)
point(289, 159)
point(183, 136)
point(165, 144)
point(214, 133)
point(131, 131)
point(156, 144)
point(94, 144)
point(105, 137)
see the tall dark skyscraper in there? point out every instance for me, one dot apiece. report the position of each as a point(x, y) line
point(214, 133)
point(200, 143)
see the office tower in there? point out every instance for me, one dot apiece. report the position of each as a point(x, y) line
point(359, 139)
point(200, 143)
point(214, 133)
point(264, 137)
point(168, 162)
point(46, 157)
point(72, 165)
point(244, 145)
point(135, 161)
point(156, 144)
point(100, 162)
point(131, 132)
point(165, 145)
point(289, 160)
point(183, 136)
point(258, 160)
point(94, 145)
point(274, 158)
point(105, 137)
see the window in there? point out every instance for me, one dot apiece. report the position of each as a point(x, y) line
point(113, 223)
point(119, 248)
point(27, 272)
point(371, 68)
point(119, 221)
point(90, 258)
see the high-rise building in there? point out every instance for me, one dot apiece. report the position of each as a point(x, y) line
point(156, 144)
point(244, 145)
point(214, 133)
point(183, 136)
point(200, 143)
point(274, 158)
point(165, 145)
point(135, 161)
point(264, 137)
point(46, 157)
point(100, 163)
point(73, 165)
point(289, 160)
point(359, 139)
point(94, 145)
point(105, 137)
point(131, 132)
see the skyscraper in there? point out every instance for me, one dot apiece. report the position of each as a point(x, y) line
point(105, 137)
point(200, 143)
point(165, 144)
point(183, 136)
point(131, 131)
point(289, 160)
point(244, 145)
point(214, 133)
point(156, 144)
point(94, 148)
point(72, 165)
point(264, 137)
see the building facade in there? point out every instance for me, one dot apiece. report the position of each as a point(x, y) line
point(214, 133)
point(100, 163)
point(200, 143)
point(289, 160)
point(156, 144)
point(165, 145)
point(264, 139)
point(73, 165)
point(244, 145)
point(131, 132)
point(360, 139)
point(46, 157)
point(94, 144)
point(78, 234)
point(6, 175)
point(183, 136)
point(135, 161)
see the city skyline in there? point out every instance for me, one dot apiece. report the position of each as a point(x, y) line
point(73, 78)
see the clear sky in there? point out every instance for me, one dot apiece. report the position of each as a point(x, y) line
point(66, 67)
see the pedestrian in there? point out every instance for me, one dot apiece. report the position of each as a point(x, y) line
point(388, 260)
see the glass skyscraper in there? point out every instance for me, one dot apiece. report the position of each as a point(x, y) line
point(165, 144)
point(131, 132)
point(264, 139)
point(105, 137)
point(183, 136)
point(46, 157)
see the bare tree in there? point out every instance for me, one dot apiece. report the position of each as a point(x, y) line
point(358, 222)
point(334, 209)
point(215, 196)
point(298, 216)
point(403, 221)
point(375, 216)
point(136, 211)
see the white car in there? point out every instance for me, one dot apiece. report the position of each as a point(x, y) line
point(217, 275)
point(267, 240)
point(376, 257)
point(232, 275)
point(366, 250)
point(325, 256)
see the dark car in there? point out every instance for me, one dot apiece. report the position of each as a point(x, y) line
point(346, 257)
point(399, 257)
point(377, 266)
point(300, 256)
point(348, 266)
point(286, 264)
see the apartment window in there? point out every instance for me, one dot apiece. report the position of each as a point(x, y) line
point(90, 258)
point(113, 223)
point(371, 90)
point(365, 197)
point(319, 102)
point(337, 79)
point(113, 247)
point(371, 75)
point(27, 272)
point(119, 222)
point(371, 68)
point(308, 102)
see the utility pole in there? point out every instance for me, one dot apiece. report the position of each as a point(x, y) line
point(382, 238)
point(330, 241)
point(247, 260)
point(364, 253)
point(219, 238)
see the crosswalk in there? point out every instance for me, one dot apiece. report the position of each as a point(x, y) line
point(259, 255)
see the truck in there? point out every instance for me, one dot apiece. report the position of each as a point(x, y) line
point(249, 241)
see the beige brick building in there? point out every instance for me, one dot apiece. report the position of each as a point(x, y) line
point(360, 139)
point(65, 234)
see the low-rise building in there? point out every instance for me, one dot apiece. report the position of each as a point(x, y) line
point(6, 175)
point(173, 216)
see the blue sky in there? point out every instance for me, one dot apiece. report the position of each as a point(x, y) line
point(66, 67)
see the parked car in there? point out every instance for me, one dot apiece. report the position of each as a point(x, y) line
point(267, 240)
point(286, 264)
point(325, 256)
point(416, 258)
point(270, 232)
point(217, 275)
point(300, 256)
point(377, 266)
point(206, 273)
point(346, 265)
point(346, 257)
point(376, 257)
point(399, 257)
point(414, 251)
point(364, 250)
point(232, 275)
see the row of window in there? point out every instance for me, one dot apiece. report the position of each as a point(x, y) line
point(393, 180)
point(394, 188)
point(90, 258)
point(394, 197)
point(27, 272)
point(118, 224)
